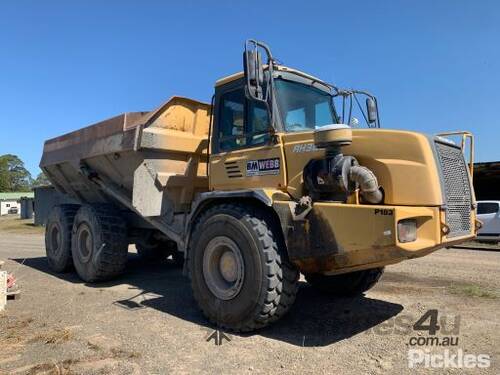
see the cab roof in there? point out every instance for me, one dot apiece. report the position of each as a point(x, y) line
point(282, 68)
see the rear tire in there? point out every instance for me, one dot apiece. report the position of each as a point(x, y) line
point(348, 284)
point(239, 273)
point(99, 243)
point(58, 237)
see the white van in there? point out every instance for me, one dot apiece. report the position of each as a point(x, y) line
point(488, 212)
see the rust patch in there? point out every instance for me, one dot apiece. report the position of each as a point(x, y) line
point(314, 265)
point(311, 243)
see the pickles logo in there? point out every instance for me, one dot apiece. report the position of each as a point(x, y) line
point(424, 349)
point(262, 167)
point(447, 359)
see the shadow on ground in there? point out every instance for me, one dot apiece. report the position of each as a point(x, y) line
point(478, 247)
point(314, 320)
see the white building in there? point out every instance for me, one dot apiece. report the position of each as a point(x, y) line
point(10, 202)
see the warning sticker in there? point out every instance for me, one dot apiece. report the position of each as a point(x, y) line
point(262, 167)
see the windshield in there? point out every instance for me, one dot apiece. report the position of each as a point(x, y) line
point(304, 107)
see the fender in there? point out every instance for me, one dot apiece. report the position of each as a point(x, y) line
point(265, 196)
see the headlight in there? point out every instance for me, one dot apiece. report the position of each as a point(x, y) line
point(407, 230)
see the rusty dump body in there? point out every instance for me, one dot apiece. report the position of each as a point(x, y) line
point(149, 162)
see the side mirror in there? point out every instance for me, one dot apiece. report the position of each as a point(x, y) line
point(257, 84)
point(254, 73)
point(371, 110)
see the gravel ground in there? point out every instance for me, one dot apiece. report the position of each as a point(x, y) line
point(147, 321)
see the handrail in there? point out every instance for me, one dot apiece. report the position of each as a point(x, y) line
point(465, 135)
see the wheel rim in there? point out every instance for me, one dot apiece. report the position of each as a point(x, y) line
point(55, 239)
point(85, 242)
point(223, 267)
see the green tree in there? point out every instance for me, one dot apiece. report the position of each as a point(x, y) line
point(13, 175)
point(41, 180)
point(4, 175)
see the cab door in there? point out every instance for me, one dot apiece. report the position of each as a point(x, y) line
point(243, 153)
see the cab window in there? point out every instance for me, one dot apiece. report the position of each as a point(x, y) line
point(258, 123)
point(232, 121)
point(303, 107)
point(242, 123)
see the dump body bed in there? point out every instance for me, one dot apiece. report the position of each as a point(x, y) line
point(157, 160)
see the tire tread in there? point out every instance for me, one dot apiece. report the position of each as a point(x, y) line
point(112, 257)
point(281, 276)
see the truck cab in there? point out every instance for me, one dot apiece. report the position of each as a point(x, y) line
point(268, 142)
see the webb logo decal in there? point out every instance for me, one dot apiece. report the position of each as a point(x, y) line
point(263, 167)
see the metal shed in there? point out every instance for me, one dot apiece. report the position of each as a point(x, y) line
point(487, 180)
point(47, 197)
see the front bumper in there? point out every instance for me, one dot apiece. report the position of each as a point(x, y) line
point(338, 238)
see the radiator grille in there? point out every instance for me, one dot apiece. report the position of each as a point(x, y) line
point(457, 189)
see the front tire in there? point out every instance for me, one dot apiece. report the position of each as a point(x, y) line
point(239, 273)
point(99, 243)
point(347, 284)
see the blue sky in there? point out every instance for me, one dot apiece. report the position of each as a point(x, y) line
point(434, 65)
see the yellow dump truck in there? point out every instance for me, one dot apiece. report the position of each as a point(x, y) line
point(266, 182)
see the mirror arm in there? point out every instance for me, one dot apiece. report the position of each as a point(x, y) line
point(365, 116)
point(270, 64)
point(344, 93)
point(372, 97)
point(378, 116)
point(267, 96)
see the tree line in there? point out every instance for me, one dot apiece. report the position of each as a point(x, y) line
point(15, 177)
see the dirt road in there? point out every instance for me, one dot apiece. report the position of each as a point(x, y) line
point(147, 321)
